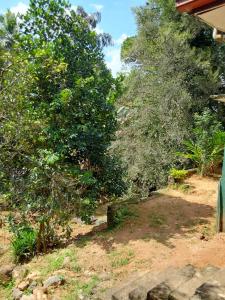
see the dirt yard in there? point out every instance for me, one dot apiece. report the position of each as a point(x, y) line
point(172, 228)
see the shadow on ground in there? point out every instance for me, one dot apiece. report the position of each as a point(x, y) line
point(161, 218)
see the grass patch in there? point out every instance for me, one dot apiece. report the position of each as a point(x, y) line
point(81, 289)
point(183, 187)
point(6, 290)
point(122, 214)
point(156, 220)
point(82, 241)
point(55, 261)
point(121, 258)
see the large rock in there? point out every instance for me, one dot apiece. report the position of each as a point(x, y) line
point(187, 290)
point(17, 294)
point(165, 288)
point(138, 294)
point(6, 273)
point(55, 280)
point(209, 291)
point(145, 282)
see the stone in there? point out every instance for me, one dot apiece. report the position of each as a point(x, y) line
point(165, 288)
point(33, 276)
point(23, 285)
point(40, 291)
point(148, 281)
point(138, 294)
point(33, 285)
point(19, 273)
point(210, 291)
point(187, 290)
point(55, 280)
point(41, 294)
point(6, 273)
point(17, 294)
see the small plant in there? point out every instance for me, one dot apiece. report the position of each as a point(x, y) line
point(24, 244)
point(185, 188)
point(119, 215)
point(24, 241)
point(178, 175)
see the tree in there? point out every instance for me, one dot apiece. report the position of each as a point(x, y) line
point(173, 73)
point(58, 146)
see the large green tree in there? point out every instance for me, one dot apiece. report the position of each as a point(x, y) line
point(55, 138)
point(175, 67)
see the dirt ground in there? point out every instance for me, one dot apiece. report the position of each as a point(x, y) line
point(172, 228)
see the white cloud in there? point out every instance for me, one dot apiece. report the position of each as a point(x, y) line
point(113, 60)
point(98, 7)
point(121, 39)
point(112, 55)
point(20, 8)
point(99, 30)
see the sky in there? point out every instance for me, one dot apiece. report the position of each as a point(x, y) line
point(117, 20)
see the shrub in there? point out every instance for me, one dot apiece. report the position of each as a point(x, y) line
point(118, 215)
point(178, 175)
point(205, 149)
point(24, 244)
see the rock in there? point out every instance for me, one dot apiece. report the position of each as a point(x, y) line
point(19, 273)
point(6, 273)
point(33, 285)
point(55, 280)
point(40, 291)
point(17, 294)
point(40, 294)
point(23, 285)
point(210, 291)
point(33, 276)
point(138, 294)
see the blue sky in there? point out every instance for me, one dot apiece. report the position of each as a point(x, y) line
point(117, 19)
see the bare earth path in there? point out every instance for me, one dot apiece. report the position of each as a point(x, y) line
point(172, 228)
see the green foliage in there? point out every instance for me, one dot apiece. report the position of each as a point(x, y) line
point(121, 258)
point(24, 244)
point(205, 149)
point(122, 214)
point(173, 74)
point(178, 175)
point(57, 118)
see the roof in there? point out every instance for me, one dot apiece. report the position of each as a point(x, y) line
point(210, 11)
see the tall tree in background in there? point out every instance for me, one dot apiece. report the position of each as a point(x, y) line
point(174, 70)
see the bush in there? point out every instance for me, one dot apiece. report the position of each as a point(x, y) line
point(24, 244)
point(206, 147)
point(178, 175)
point(117, 215)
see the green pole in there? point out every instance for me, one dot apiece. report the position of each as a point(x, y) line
point(221, 200)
